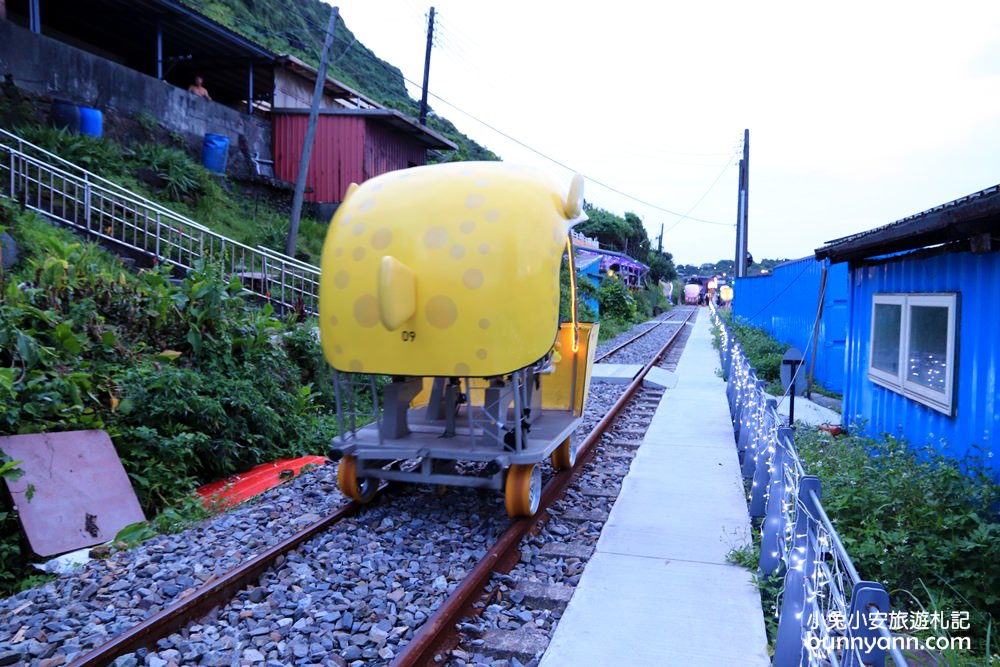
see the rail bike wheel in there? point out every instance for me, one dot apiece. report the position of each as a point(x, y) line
point(358, 489)
point(564, 456)
point(523, 489)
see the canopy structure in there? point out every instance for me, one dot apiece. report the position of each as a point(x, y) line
point(627, 269)
point(973, 217)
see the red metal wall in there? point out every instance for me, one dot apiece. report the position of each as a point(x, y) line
point(346, 150)
point(388, 149)
point(337, 154)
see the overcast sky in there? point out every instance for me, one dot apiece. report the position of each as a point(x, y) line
point(860, 113)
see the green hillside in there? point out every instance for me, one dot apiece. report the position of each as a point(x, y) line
point(296, 28)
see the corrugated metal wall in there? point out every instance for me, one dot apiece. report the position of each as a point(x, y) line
point(387, 149)
point(337, 158)
point(977, 417)
point(784, 304)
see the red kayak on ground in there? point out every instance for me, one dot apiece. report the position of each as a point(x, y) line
point(234, 490)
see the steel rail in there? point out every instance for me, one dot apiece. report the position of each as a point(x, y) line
point(434, 634)
point(631, 340)
point(221, 590)
point(214, 593)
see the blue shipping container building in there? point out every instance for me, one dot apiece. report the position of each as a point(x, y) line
point(923, 350)
point(785, 304)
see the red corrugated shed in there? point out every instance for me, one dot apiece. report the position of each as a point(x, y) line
point(337, 158)
point(387, 149)
point(351, 146)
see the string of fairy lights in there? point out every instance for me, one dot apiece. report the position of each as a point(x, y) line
point(797, 538)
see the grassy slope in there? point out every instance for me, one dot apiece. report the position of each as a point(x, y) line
point(192, 381)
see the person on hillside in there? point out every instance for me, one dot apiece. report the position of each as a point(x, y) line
point(198, 88)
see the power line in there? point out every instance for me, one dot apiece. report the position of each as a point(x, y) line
point(567, 167)
point(553, 160)
point(729, 163)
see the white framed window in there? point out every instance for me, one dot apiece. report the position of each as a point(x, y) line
point(913, 349)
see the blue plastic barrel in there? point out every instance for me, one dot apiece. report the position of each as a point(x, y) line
point(91, 121)
point(65, 115)
point(215, 153)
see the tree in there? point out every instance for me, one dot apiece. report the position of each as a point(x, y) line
point(637, 241)
point(609, 230)
point(661, 266)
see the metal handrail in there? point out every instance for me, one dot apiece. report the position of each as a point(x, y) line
point(835, 539)
point(103, 209)
point(289, 260)
point(91, 176)
point(798, 536)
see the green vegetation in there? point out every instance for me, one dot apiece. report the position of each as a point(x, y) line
point(192, 381)
point(297, 28)
point(627, 235)
point(763, 351)
point(923, 523)
point(727, 267)
point(584, 289)
point(621, 308)
point(920, 521)
point(222, 383)
point(169, 176)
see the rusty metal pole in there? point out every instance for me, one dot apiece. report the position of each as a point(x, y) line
point(300, 182)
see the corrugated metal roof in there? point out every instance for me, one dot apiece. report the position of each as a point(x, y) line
point(613, 253)
point(958, 220)
point(423, 135)
point(125, 31)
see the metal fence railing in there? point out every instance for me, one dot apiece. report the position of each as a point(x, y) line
point(46, 183)
point(828, 614)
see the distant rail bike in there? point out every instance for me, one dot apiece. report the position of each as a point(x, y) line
point(440, 287)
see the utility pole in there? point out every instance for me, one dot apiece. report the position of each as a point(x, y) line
point(739, 224)
point(741, 208)
point(300, 182)
point(659, 245)
point(427, 66)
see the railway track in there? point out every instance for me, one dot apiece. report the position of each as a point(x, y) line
point(673, 317)
point(431, 644)
point(234, 597)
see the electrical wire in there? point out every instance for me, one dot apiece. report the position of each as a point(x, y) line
point(551, 159)
point(567, 167)
point(791, 282)
point(728, 164)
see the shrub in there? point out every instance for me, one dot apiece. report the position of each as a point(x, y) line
point(192, 382)
point(179, 176)
point(763, 350)
point(616, 302)
point(920, 521)
point(91, 153)
point(650, 301)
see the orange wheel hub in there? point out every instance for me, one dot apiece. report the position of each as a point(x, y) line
point(523, 490)
point(359, 490)
point(564, 456)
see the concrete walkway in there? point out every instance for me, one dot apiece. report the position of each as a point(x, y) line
point(808, 412)
point(658, 590)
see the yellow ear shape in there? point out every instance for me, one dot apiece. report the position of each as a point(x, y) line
point(574, 200)
point(397, 293)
